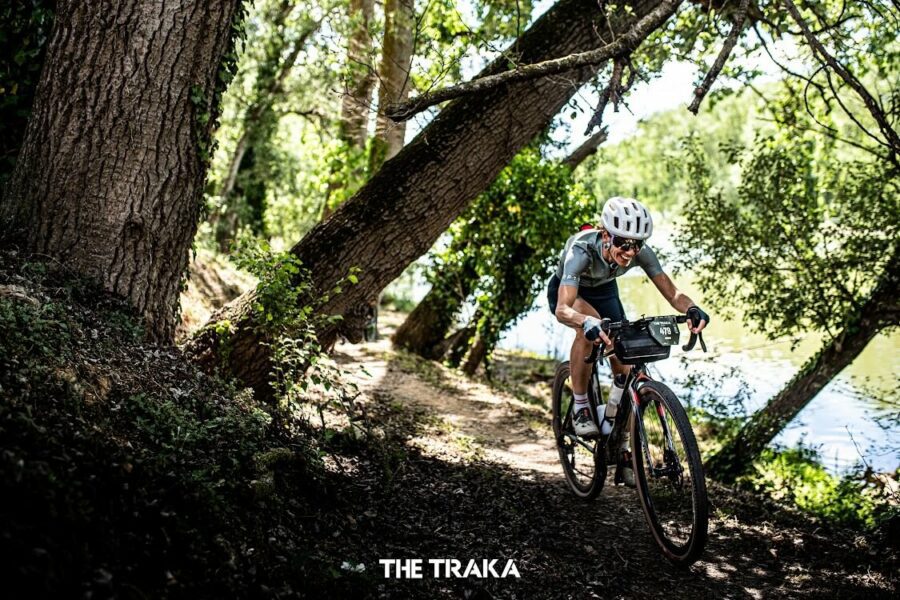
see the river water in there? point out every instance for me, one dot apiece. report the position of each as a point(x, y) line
point(856, 417)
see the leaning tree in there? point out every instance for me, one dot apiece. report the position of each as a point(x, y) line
point(400, 212)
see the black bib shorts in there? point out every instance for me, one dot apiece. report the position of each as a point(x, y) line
point(604, 298)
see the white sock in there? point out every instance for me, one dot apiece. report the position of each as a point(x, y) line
point(581, 402)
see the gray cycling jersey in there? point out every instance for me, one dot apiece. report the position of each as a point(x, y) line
point(581, 262)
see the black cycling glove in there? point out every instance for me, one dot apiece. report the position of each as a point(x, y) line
point(696, 314)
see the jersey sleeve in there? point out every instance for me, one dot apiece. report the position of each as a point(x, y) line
point(575, 263)
point(648, 261)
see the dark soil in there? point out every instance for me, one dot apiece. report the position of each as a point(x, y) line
point(124, 472)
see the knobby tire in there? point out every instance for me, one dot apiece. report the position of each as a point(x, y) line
point(657, 494)
point(584, 487)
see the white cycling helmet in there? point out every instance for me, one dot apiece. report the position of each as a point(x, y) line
point(626, 217)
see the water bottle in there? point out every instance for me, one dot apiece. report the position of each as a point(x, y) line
point(612, 407)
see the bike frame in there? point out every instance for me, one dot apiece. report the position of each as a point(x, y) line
point(636, 377)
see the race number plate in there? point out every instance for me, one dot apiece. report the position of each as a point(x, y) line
point(664, 331)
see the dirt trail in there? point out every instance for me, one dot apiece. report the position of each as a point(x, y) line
point(471, 418)
point(755, 550)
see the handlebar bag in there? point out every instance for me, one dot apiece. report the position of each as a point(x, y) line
point(634, 344)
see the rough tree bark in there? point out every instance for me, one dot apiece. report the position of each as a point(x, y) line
point(404, 207)
point(396, 59)
point(880, 311)
point(110, 175)
point(425, 329)
point(361, 83)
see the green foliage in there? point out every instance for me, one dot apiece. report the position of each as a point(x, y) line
point(808, 235)
point(448, 39)
point(299, 165)
point(278, 34)
point(282, 282)
point(648, 165)
point(123, 457)
point(796, 475)
point(348, 171)
point(24, 33)
point(284, 118)
point(287, 313)
point(509, 238)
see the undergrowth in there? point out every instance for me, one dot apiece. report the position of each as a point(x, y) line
point(124, 468)
point(860, 500)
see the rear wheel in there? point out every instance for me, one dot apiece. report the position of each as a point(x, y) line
point(584, 467)
point(669, 475)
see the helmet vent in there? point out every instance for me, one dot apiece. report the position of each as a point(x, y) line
point(637, 227)
point(616, 221)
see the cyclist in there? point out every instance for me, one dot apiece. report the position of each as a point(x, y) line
point(584, 289)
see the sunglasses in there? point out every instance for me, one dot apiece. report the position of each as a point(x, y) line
point(625, 245)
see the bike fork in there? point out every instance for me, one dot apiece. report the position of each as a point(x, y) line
point(636, 415)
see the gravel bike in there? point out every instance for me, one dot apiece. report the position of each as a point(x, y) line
point(662, 451)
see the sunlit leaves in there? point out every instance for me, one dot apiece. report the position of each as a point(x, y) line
point(510, 238)
point(802, 241)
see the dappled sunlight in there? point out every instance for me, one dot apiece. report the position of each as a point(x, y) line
point(468, 417)
point(465, 424)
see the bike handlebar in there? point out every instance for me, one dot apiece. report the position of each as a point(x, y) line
point(608, 327)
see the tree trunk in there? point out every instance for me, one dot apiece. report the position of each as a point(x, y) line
point(412, 199)
point(454, 347)
point(879, 311)
point(110, 177)
point(361, 82)
point(427, 325)
point(396, 60)
point(477, 353)
point(259, 122)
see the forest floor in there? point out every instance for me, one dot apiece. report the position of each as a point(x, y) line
point(565, 547)
point(127, 473)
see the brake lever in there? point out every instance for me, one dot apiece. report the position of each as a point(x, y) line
point(691, 342)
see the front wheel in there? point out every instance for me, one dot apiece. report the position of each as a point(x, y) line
point(583, 465)
point(669, 475)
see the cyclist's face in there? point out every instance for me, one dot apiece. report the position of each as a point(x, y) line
point(621, 257)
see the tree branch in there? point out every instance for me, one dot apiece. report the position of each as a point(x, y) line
point(893, 140)
point(588, 148)
point(724, 53)
point(623, 45)
point(613, 91)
